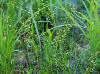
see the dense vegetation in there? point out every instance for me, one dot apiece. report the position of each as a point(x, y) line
point(49, 36)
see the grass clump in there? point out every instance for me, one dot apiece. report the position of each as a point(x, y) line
point(49, 37)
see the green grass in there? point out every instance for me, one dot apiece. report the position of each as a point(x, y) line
point(92, 24)
point(54, 50)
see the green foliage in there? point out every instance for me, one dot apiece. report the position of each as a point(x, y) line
point(26, 48)
point(92, 25)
